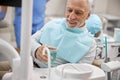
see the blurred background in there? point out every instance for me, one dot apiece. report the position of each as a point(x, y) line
point(110, 9)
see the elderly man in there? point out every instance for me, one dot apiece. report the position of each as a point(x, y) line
point(67, 37)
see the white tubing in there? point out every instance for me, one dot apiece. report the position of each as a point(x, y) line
point(49, 61)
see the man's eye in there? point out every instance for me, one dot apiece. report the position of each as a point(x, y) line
point(79, 13)
point(69, 10)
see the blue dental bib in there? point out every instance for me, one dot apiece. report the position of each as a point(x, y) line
point(72, 44)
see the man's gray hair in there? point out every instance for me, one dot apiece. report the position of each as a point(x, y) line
point(88, 2)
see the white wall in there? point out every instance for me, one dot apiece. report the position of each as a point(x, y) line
point(114, 7)
point(7, 33)
point(55, 8)
point(107, 6)
point(100, 6)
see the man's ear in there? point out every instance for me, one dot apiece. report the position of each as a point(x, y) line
point(88, 15)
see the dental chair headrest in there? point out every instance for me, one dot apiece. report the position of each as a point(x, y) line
point(8, 51)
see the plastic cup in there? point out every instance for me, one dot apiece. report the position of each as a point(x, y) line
point(53, 54)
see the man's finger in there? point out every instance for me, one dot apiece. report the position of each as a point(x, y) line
point(51, 48)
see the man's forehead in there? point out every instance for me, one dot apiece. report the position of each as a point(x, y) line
point(78, 0)
point(81, 2)
point(78, 3)
point(76, 8)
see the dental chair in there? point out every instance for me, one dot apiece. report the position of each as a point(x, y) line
point(9, 53)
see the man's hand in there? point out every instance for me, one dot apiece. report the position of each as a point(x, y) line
point(39, 53)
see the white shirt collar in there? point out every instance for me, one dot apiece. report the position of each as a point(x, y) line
point(84, 28)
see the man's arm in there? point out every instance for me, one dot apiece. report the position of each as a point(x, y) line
point(37, 47)
point(4, 8)
point(35, 42)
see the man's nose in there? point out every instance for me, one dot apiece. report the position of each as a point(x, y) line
point(72, 15)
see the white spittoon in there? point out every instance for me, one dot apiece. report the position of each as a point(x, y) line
point(70, 72)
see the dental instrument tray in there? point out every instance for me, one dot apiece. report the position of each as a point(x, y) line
point(74, 71)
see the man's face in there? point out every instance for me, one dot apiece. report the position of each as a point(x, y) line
point(76, 13)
